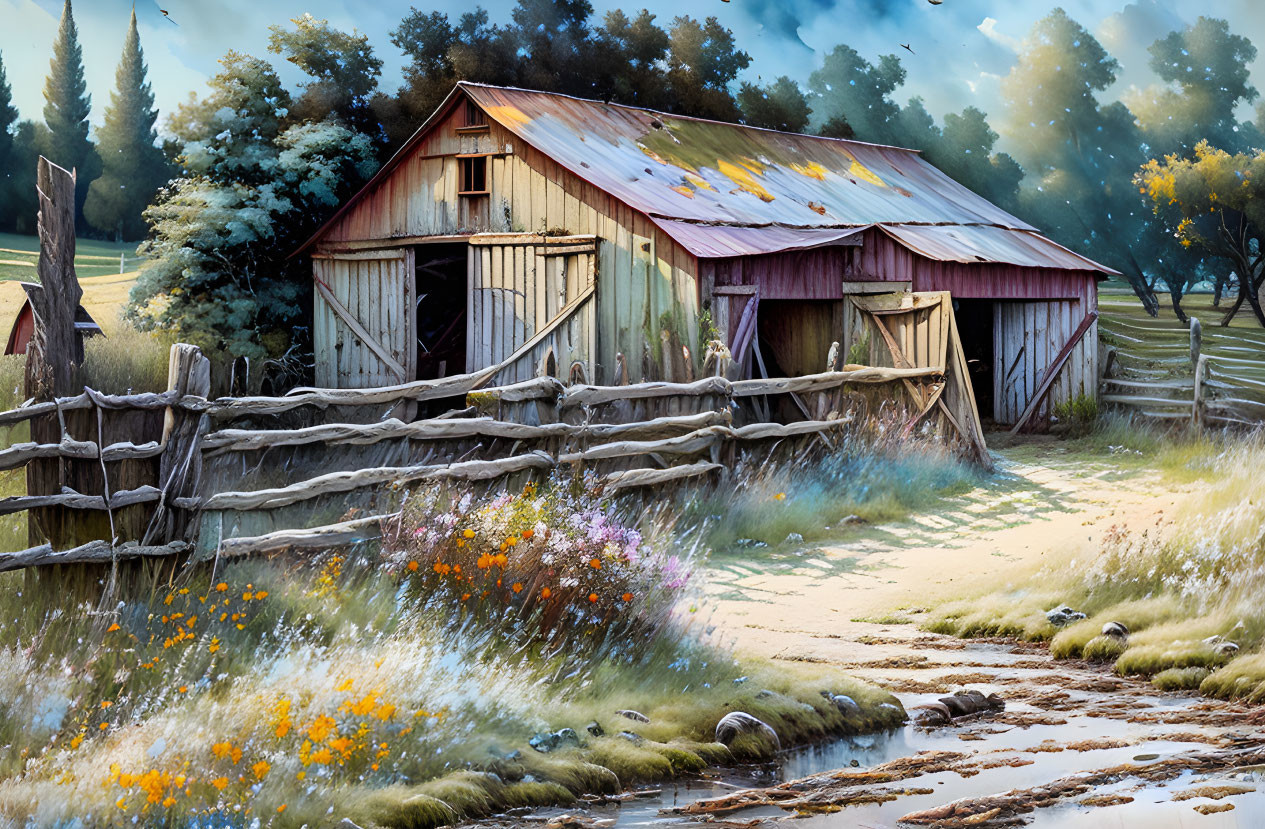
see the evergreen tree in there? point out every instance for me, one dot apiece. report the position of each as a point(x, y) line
point(133, 168)
point(8, 116)
point(66, 108)
point(780, 105)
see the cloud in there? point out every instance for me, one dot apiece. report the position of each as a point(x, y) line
point(989, 29)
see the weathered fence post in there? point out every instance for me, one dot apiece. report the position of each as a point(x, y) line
point(1198, 363)
point(180, 468)
point(54, 348)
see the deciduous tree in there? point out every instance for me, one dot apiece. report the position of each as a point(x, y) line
point(1216, 201)
point(343, 69)
point(1079, 155)
point(781, 105)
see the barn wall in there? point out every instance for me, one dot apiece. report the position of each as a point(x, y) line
point(805, 274)
point(645, 279)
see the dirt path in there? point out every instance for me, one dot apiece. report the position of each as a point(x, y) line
point(1100, 750)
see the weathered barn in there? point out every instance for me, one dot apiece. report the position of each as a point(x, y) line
point(608, 244)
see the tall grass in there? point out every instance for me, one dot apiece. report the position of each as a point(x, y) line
point(1182, 590)
point(860, 482)
point(385, 688)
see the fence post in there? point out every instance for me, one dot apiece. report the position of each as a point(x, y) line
point(180, 466)
point(1199, 364)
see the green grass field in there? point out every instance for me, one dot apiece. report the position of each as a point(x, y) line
point(18, 255)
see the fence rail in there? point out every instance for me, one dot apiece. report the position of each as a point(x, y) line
point(629, 437)
point(1171, 374)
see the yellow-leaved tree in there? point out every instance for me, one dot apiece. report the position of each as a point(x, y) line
point(1215, 200)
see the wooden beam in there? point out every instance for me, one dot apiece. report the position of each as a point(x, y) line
point(634, 478)
point(364, 255)
point(1053, 371)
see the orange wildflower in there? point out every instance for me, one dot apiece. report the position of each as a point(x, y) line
point(412, 566)
point(468, 533)
point(593, 598)
point(221, 587)
point(220, 783)
point(112, 628)
point(595, 563)
point(546, 593)
point(261, 769)
point(518, 587)
point(528, 534)
point(628, 597)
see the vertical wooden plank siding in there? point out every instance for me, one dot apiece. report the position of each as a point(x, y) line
point(1031, 334)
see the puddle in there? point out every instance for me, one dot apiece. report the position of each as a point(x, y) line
point(1151, 807)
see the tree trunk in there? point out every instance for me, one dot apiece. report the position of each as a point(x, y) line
point(1176, 294)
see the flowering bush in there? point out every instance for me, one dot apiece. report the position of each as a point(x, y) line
point(557, 557)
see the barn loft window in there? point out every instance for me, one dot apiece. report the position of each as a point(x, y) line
point(473, 119)
point(474, 175)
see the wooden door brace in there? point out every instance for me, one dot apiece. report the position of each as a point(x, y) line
point(359, 330)
point(1050, 373)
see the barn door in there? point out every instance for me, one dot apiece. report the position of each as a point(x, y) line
point(364, 319)
point(1028, 337)
point(531, 297)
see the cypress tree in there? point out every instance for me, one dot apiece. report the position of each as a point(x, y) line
point(8, 115)
point(66, 108)
point(133, 168)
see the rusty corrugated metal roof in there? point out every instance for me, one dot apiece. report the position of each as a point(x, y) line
point(717, 241)
point(985, 243)
point(724, 189)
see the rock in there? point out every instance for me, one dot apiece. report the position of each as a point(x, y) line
point(845, 704)
point(853, 519)
point(1214, 640)
point(965, 703)
point(579, 822)
point(595, 729)
point(347, 823)
point(1063, 615)
point(636, 716)
point(632, 737)
point(750, 543)
point(794, 538)
point(552, 741)
point(740, 680)
point(740, 722)
point(1116, 630)
point(764, 694)
point(932, 714)
point(1226, 649)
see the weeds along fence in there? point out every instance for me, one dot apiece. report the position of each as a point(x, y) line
point(112, 478)
point(1200, 374)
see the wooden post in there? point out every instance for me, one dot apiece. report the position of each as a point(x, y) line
point(1199, 366)
point(54, 346)
point(180, 469)
point(1197, 407)
point(53, 353)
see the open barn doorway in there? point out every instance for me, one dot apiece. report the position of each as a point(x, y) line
point(441, 310)
point(794, 335)
point(975, 329)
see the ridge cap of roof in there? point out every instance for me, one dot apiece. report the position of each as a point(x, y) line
point(659, 112)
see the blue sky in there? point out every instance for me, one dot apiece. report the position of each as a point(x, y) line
point(962, 47)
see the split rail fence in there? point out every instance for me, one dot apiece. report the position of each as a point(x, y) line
point(112, 478)
point(1205, 376)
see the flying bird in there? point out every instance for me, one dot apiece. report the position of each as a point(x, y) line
point(935, 2)
point(907, 46)
point(168, 16)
